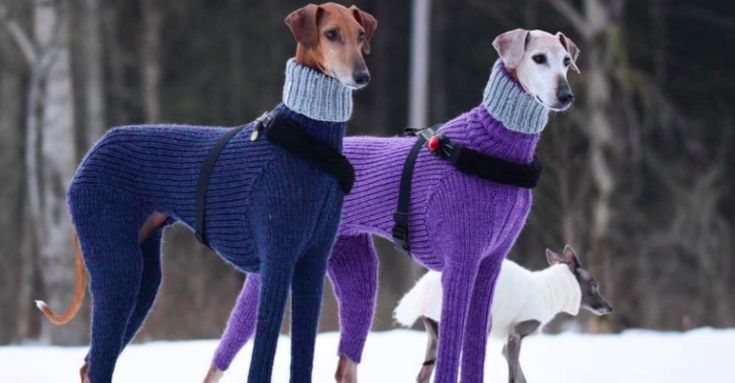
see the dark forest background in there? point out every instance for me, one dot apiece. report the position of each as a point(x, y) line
point(637, 175)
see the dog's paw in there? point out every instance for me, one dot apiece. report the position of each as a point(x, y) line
point(213, 375)
point(346, 371)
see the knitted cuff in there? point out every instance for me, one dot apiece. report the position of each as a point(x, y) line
point(316, 95)
point(351, 348)
point(508, 103)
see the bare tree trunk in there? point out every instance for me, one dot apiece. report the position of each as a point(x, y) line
point(380, 66)
point(438, 55)
point(236, 73)
point(658, 26)
point(119, 89)
point(599, 28)
point(151, 60)
point(11, 144)
point(88, 71)
point(602, 18)
point(419, 87)
point(56, 168)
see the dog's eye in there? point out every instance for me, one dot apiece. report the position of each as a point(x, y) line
point(567, 61)
point(361, 36)
point(539, 59)
point(331, 34)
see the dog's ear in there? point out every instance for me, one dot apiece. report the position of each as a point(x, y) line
point(552, 257)
point(510, 46)
point(368, 22)
point(303, 25)
point(570, 257)
point(571, 47)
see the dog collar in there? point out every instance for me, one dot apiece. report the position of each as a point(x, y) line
point(467, 161)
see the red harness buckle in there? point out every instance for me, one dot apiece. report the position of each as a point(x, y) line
point(434, 143)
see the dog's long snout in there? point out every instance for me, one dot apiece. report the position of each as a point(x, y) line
point(565, 95)
point(361, 77)
point(603, 309)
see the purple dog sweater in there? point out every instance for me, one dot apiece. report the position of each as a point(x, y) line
point(460, 224)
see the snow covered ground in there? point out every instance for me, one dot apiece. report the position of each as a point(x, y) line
point(703, 355)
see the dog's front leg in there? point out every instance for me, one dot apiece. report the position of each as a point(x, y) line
point(353, 269)
point(458, 278)
point(519, 332)
point(476, 330)
point(512, 350)
point(306, 293)
point(240, 328)
point(275, 283)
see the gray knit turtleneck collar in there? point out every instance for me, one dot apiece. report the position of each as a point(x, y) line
point(508, 103)
point(316, 95)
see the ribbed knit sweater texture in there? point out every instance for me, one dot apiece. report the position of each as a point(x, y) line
point(267, 211)
point(458, 223)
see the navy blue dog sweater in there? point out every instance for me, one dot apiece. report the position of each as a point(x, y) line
point(267, 211)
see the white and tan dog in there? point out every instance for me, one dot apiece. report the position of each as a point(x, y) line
point(460, 224)
point(524, 302)
point(539, 61)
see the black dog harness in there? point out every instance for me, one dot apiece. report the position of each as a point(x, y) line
point(467, 161)
point(283, 133)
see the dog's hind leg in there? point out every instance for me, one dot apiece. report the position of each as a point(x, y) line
point(432, 330)
point(306, 294)
point(512, 350)
point(150, 282)
point(275, 283)
point(353, 270)
point(458, 278)
point(107, 224)
point(478, 319)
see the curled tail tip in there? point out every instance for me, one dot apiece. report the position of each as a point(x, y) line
point(41, 305)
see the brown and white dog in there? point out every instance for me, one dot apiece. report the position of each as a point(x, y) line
point(332, 40)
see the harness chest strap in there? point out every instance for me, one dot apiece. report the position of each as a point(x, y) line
point(289, 137)
point(467, 161)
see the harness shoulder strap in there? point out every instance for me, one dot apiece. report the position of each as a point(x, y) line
point(465, 160)
point(203, 182)
point(281, 133)
point(400, 217)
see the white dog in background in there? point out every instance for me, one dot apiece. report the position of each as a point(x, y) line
point(524, 302)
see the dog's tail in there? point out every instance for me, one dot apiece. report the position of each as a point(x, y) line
point(414, 304)
point(79, 291)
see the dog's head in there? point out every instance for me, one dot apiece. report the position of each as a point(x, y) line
point(592, 298)
point(540, 61)
point(333, 39)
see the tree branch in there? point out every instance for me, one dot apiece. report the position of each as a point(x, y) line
point(572, 15)
point(25, 44)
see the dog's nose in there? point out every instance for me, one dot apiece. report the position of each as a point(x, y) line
point(361, 77)
point(565, 95)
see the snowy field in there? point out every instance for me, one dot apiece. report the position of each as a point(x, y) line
point(703, 355)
